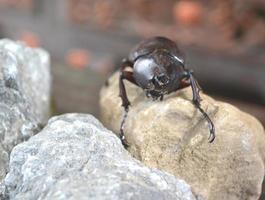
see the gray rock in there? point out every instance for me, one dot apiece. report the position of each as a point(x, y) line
point(24, 95)
point(75, 157)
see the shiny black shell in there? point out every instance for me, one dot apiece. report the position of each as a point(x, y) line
point(150, 45)
point(156, 56)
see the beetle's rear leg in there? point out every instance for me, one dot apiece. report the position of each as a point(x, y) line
point(196, 101)
point(125, 102)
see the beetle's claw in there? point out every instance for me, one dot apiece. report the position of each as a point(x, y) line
point(212, 133)
point(124, 142)
point(211, 137)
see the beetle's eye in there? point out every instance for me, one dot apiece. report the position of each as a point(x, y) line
point(162, 79)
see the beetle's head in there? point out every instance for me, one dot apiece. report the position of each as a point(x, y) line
point(157, 86)
point(160, 80)
point(157, 82)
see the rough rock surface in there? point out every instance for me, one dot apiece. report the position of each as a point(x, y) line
point(24, 95)
point(172, 135)
point(75, 157)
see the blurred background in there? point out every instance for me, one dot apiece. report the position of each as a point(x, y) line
point(223, 41)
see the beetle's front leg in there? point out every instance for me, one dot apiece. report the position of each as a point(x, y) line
point(125, 102)
point(196, 101)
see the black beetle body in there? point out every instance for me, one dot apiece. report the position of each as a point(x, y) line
point(159, 69)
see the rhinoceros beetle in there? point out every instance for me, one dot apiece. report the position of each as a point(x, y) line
point(158, 68)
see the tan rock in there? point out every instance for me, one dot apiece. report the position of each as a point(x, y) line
point(172, 135)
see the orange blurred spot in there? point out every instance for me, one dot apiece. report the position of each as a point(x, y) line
point(188, 12)
point(78, 58)
point(30, 39)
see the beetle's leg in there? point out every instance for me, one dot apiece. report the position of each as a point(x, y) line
point(196, 101)
point(184, 84)
point(125, 102)
point(126, 63)
point(128, 76)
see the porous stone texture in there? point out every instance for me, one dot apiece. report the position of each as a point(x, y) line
point(75, 157)
point(24, 95)
point(171, 135)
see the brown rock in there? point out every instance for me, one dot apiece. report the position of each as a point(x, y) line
point(172, 135)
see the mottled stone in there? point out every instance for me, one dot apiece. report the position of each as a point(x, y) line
point(24, 95)
point(75, 157)
point(171, 135)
